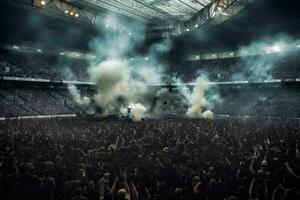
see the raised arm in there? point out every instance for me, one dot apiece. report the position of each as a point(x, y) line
point(253, 158)
point(251, 188)
point(104, 185)
point(251, 165)
point(102, 189)
point(291, 171)
point(297, 150)
point(127, 188)
point(113, 188)
point(134, 192)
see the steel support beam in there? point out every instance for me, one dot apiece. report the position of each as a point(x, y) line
point(89, 11)
point(215, 13)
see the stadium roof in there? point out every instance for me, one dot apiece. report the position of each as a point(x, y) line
point(149, 10)
point(171, 16)
point(167, 16)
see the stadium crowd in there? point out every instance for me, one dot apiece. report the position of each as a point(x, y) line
point(36, 101)
point(274, 102)
point(180, 159)
point(253, 68)
point(35, 65)
point(268, 101)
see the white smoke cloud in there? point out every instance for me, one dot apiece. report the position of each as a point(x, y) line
point(121, 81)
point(82, 101)
point(112, 80)
point(138, 112)
point(167, 102)
point(208, 114)
point(119, 85)
point(259, 59)
point(124, 83)
point(119, 37)
point(134, 111)
point(197, 98)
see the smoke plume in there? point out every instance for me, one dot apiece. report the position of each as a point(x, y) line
point(122, 76)
point(197, 100)
point(125, 78)
point(259, 59)
point(82, 101)
point(137, 112)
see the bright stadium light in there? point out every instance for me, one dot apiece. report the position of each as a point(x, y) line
point(276, 48)
point(71, 13)
point(43, 2)
point(39, 50)
point(66, 11)
point(15, 47)
point(76, 15)
point(196, 25)
point(187, 29)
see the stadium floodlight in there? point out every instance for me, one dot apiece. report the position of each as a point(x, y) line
point(276, 48)
point(187, 30)
point(273, 49)
point(39, 50)
point(43, 2)
point(196, 25)
point(66, 11)
point(76, 15)
point(71, 13)
point(15, 47)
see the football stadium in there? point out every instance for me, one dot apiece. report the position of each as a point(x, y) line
point(150, 100)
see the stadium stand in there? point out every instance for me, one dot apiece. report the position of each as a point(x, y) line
point(33, 65)
point(280, 65)
point(242, 101)
point(29, 102)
